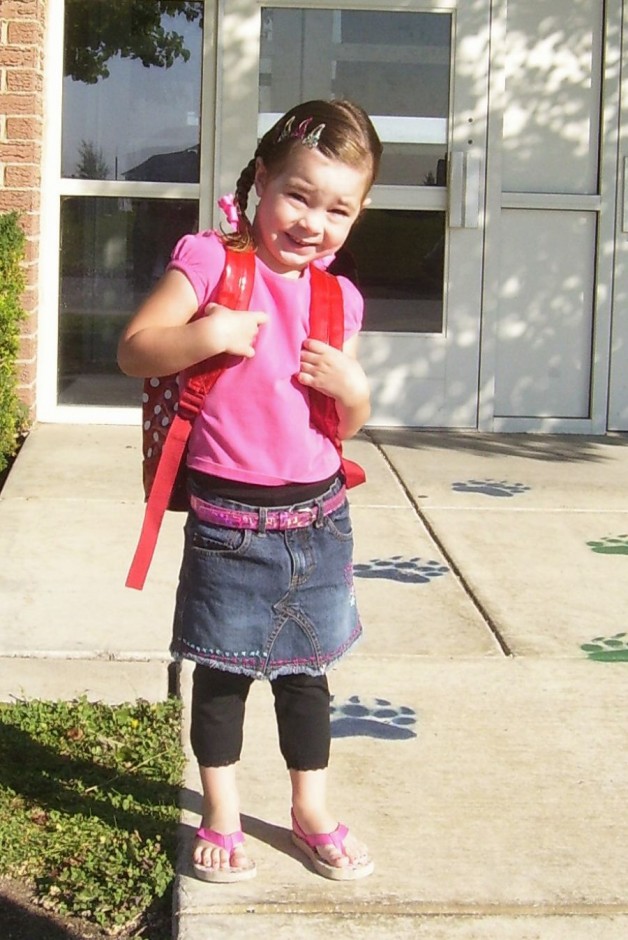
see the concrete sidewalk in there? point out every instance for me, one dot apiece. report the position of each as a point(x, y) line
point(480, 737)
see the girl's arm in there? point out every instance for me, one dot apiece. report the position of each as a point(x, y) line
point(161, 338)
point(338, 374)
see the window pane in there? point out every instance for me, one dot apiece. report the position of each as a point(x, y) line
point(396, 65)
point(113, 251)
point(399, 256)
point(131, 93)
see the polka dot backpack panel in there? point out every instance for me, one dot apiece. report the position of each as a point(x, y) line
point(160, 403)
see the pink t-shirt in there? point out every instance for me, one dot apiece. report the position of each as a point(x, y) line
point(255, 423)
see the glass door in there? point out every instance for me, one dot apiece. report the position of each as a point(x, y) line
point(421, 74)
point(128, 155)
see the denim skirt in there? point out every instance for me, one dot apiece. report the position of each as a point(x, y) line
point(266, 604)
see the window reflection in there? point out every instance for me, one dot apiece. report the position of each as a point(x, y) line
point(131, 93)
point(179, 167)
point(399, 258)
point(113, 251)
point(396, 65)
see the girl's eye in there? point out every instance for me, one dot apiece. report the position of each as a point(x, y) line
point(298, 196)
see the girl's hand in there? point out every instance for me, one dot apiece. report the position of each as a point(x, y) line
point(333, 372)
point(337, 373)
point(231, 331)
point(164, 337)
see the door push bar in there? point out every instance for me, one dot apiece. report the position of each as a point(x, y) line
point(464, 189)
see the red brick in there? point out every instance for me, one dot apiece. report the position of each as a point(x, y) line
point(19, 200)
point(31, 251)
point(24, 128)
point(20, 80)
point(24, 33)
point(27, 395)
point(28, 348)
point(26, 151)
point(22, 176)
point(30, 223)
point(31, 275)
point(21, 9)
point(25, 373)
point(30, 300)
point(16, 105)
point(29, 325)
point(19, 57)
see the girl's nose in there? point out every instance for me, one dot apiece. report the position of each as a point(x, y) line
point(312, 221)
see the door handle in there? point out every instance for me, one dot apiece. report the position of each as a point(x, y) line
point(463, 192)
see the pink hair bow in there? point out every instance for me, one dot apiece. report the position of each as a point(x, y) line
point(228, 206)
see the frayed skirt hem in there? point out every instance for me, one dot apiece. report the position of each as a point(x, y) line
point(270, 672)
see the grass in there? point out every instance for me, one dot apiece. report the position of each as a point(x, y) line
point(89, 805)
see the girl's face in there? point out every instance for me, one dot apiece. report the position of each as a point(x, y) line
point(306, 210)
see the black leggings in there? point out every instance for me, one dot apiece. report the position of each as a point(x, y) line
point(301, 707)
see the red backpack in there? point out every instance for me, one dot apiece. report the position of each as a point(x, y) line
point(169, 409)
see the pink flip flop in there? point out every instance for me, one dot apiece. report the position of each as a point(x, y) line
point(229, 843)
point(309, 844)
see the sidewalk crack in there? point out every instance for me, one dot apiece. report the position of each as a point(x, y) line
point(475, 600)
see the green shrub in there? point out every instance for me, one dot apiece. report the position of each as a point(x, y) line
point(13, 414)
point(89, 806)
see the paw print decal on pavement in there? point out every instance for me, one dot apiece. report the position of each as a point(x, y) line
point(490, 487)
point(371, 718)
point(409, 570)
point(609, 545)
point(612, 649)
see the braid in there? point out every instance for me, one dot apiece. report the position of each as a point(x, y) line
point(243, 186)
point(242, 238)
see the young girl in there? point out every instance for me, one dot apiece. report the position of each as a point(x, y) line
point(259, 595)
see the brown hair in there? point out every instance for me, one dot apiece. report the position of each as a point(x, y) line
point(348, 135)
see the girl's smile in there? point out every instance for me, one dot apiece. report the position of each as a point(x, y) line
point(305, 211)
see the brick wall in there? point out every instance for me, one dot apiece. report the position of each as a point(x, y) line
point(21, 128)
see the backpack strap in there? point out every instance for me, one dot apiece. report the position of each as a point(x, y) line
point(327, 324)
point(234, 291)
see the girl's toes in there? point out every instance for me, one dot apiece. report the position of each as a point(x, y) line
point(357, 852)
point(221, 863)
point(207, 857)
point(332, 856)
point(211, 856)
point(239, 859)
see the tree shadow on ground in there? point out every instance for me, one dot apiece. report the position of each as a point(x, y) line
point(70, 784)
point(557, 448)
point(23, 919)
point(47, 782)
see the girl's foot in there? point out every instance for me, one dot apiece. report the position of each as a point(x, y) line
point(219, 854)
point(221, 858)
point(333, 851)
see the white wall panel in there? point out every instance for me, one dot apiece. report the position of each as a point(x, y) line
point(553, 73)
point(544, 330)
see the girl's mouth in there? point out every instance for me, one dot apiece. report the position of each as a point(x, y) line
point(298, 244)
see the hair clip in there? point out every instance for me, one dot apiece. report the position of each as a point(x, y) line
point(228, 206)
point(310, 140)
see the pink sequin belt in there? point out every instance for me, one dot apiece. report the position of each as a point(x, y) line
point(275, 518)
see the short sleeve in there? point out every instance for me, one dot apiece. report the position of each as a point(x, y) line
point(353, 307)
point(201, 258)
